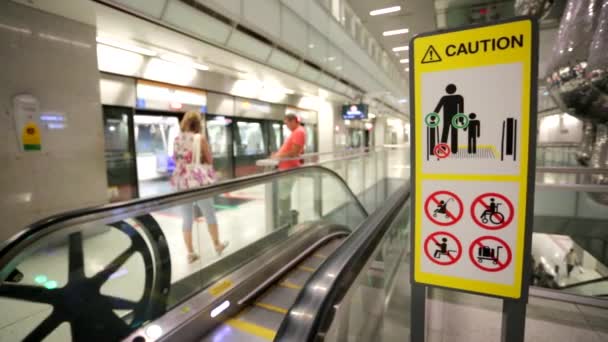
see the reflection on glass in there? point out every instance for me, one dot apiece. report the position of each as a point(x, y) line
point(154, 138)
point(275, 137)
point(250, 140)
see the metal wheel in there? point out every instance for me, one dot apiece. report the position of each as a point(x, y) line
point(80, 302)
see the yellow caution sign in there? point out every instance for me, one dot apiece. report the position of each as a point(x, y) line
point(473, 99)
point(30, 136)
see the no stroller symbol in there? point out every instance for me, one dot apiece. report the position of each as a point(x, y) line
point(443, 208)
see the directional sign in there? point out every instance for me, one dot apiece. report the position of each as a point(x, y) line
point(490, 254)
point(442, 248)
point(443, 208)
point(473, 105)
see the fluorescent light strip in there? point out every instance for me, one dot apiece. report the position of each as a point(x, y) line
point(183, 60)
point(125, 46)
point(405, 60)
point(401, 48)
point(395, 32)
point(385, 10)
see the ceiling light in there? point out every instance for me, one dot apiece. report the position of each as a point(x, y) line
point(405, 60)
point(183, 60)
point(401, 48)
point(385, 10)
point(403, 101)
point(395, 32)
point(407, 69)
point(126, 46)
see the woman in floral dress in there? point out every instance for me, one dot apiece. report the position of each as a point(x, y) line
point(194, 169)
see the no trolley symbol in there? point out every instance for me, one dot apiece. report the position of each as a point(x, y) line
point(490, 254)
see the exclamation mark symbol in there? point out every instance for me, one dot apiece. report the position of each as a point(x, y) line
point(431, 52)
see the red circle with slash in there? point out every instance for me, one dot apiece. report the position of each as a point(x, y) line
point(488, 258)
point(434, 199)
point(442, 151)
point(432, 240)
point(503, 220)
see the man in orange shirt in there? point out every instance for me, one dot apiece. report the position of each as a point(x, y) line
point(292, 148)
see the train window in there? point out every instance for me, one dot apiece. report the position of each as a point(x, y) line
point(251, 139)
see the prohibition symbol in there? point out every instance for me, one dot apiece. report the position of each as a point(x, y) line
point(442, 248)
point(490, 254)
point(486, 211)
point(443, 208)
point(442, 151)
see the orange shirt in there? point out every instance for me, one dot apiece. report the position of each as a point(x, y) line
point(297, 137)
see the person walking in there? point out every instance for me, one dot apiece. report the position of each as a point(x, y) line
point(571, 261)
point(292, 148)
point(193, 169)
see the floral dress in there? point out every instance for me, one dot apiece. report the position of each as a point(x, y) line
point(189, 172)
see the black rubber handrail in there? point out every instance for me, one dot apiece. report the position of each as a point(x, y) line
point(314, 308)
point(33, 232)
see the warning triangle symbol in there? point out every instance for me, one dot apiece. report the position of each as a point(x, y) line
point(431, 56)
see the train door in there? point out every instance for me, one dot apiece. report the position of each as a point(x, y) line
point(121, 169)
point(249, 145)
point(219, 135)
point(155, 132)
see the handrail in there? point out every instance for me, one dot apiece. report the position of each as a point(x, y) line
point(314, 306)
point(572, 170)
point(582, 283)
point(117, 211)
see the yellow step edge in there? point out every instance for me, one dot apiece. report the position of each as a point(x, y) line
point(306, 269)
point(320, 256)
point(252, 329)
point(290, 285)
point(271, 307)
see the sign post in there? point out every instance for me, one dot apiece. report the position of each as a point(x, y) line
point(473, 105)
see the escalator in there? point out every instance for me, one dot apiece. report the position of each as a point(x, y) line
point(262, 319)
point(117, 272)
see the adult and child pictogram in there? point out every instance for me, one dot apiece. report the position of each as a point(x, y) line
point(442, 142)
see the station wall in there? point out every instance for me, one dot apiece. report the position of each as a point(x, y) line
point(54, 60)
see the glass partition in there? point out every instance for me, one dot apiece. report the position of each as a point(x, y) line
point(106, 271)
point(365, 311)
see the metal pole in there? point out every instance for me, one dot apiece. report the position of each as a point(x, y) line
point(418, 313)
point(513, 320)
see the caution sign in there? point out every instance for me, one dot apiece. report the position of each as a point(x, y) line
point(31, 137)
point(473, 105)
point(443, 208)
point(442, 248)
point(431, 56)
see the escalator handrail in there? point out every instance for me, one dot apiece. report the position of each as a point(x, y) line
point(31, 233)
point(583, 283)
point(314, 306)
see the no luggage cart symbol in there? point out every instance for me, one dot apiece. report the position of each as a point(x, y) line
point(443, 208)
point(442, 248)
point(490, 254)
point(442, 151)
point(492, 211)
